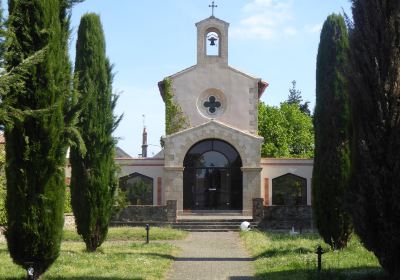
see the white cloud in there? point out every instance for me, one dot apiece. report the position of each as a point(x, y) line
point(257, 20)
point(265, 19)
point(316, 28)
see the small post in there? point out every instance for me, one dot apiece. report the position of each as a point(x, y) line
point(319, 253)
point(147, 233)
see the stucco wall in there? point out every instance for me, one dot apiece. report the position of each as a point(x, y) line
point(273, 168)
point(150, 167)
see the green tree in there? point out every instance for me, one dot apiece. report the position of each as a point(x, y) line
point(3, 216)
point(93, 181)
point(295, 98)
point(272, 126)
point(287, 131)
point(37, 125)
point(331, 172)
point(2, 35)
point(2, 152)
point(375, 147)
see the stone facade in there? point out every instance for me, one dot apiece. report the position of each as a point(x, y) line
point(247, 145)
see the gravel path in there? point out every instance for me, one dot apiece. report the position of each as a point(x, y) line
point(212, 255)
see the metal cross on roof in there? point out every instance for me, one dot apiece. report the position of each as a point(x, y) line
point(213, 6)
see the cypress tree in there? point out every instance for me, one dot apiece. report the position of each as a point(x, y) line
point(331, 171)
point(93, 180)
point(2, 35)
point(375, 110)
point(36, 139)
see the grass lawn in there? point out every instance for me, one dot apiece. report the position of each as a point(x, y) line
point(281, 256)
point(118, 258)
point(133, 234)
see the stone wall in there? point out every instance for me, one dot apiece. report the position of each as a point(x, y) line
point(282, 217)
point(140, 213)
point(286, 217)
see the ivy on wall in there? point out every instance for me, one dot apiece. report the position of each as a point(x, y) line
point(175, 120)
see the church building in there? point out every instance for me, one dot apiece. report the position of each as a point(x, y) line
point(215, 163)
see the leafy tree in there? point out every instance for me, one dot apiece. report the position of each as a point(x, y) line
point(331, 172)
point(374, 97)
point(272, 126)
point(37, 117)
point(93, 181)
point(295, 98)
point(286, 130)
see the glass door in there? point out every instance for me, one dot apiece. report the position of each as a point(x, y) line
point(212, 188)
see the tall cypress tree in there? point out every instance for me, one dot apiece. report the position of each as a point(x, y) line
point(375, 109)
point(93, 180)
point(2, 35)
point(331, 172)
point(36, 139)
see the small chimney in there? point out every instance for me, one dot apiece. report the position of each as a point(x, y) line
point(144, 143)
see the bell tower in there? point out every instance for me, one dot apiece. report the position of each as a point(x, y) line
point(212, 41)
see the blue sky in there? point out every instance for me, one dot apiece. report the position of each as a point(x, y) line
point(276, 40)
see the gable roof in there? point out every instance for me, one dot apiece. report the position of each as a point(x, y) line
point(212, 18)
point(262, 85)
point(119, 153)
point(217, 124)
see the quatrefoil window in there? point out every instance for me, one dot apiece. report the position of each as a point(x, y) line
point(212, 104)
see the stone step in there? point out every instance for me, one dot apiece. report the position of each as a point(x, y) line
point(238, 222)
point(211, 230)
point(214, 217)
point(204, 225)
point(210, 213)
point(198, 225)
point(210, 224)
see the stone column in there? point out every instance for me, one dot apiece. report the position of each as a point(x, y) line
point(251, 187)
point(173, 183)
point(171, 211)
point(258, 209)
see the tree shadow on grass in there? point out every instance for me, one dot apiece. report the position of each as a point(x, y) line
point(356, 273)
point(91, 278)
point(282, 252)
point(164, 256)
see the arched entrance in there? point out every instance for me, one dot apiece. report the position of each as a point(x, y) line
point(212, 178)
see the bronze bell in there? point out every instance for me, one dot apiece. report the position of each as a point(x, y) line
point(212, 41)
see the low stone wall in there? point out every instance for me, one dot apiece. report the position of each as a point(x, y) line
point(286, 217)
point(147, 213)
point(282, 217)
